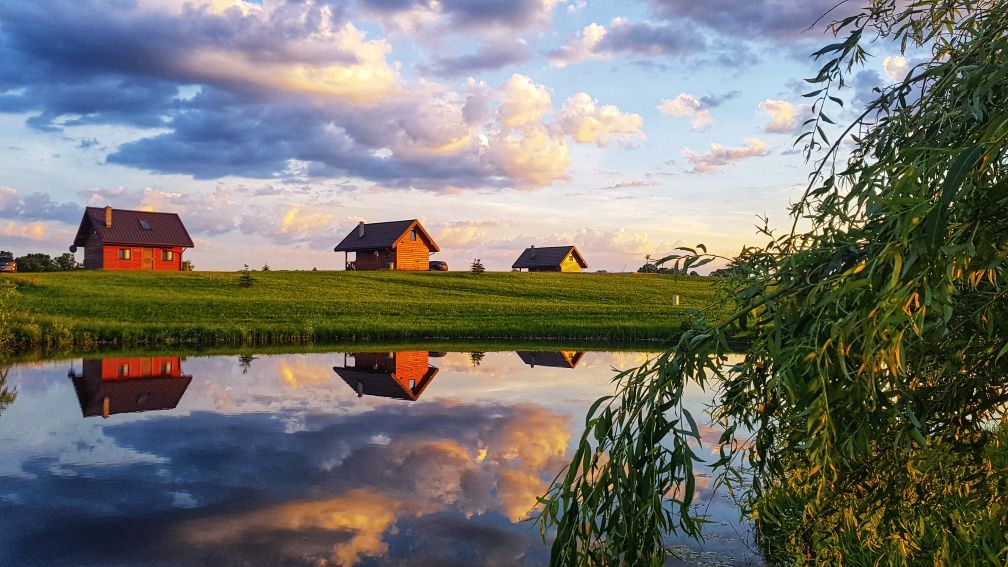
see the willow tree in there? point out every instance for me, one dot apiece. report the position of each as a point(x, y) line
point(871, 388)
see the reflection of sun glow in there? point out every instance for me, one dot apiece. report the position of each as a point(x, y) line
point(364, 513)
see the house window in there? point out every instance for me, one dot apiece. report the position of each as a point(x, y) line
point(412, 384)
point(144, 225)
point(125, 253)
point(167, 255)
point(123, 370)
point(412, 235)
point(166, 368)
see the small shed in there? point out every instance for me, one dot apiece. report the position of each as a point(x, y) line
point(112, 385)
point(399, 375)
point(551, 259)
point(394, 245)
point(119, 239)
point(561, 359)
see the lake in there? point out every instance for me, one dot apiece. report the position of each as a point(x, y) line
point(405, 458)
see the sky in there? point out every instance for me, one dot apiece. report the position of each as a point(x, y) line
point(273, 128)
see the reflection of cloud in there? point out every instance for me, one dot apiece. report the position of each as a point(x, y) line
point(363, 513)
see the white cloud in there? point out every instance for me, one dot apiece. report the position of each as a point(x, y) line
point(533, 157)
point(581, 47)
point(687, 106)
point(586, 122)
point(784, 116)
point(525, 102)
point(719, 155)
point(896, 67)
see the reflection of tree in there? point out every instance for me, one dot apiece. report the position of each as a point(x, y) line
point(7, 395)
point(476, 358)
point(245, 361)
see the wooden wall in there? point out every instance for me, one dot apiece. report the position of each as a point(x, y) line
point(379, 260)
point(111, 261)
point(569, 264)
point(412, 255)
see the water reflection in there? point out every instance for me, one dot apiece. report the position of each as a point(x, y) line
point(400, 375)
point(276, 459)
point(114, 385)
point(561, 359)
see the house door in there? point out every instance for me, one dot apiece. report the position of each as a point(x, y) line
point(147, 259)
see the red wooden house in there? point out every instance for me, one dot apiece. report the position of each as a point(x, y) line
point(118, 239)
point(400, 375)
point(395, 245)
point(113, 385)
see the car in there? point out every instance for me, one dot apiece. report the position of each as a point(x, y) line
point(438, 266)
point(7, 263)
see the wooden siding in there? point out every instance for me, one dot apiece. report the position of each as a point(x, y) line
point(93, 253)
point(569, 264)
point(410, 365)
point(121, 368)
point(412, 255)
point(141, 258)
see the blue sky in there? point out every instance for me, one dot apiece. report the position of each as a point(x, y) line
point(627, 128)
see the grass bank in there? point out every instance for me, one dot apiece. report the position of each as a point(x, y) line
point(88, 310)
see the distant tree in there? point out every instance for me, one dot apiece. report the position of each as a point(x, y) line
point(67, 262)
point(245, 361)
point(245, 279)
point(36, 262)
point(477, 267)
point(476, 358)
point(7, 395)
point(266, 267)
point(6, 254)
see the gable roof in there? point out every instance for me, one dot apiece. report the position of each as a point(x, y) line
point(548, 257)
point(385, 384)
point(562, 359)
point(162, 229)
point(382, 236)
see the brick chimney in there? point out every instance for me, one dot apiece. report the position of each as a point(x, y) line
point(108, 217)
point(532, 248)
point(360, 229)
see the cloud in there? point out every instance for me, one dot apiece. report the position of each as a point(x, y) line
point(689, 106)
point(785, 117)
point(755, 20)
point(896, 67)
point(464, 233)
point(491, 56)
point(720, 156)
point(37, 206)
point(622, 36)
point(533, 157)
point(445, 16)
point(36, 231)
point(586, 122)
point(207, 213)
point(525, 103)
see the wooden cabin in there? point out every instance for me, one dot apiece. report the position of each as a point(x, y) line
point(114, 385)
point(551, 259)
point(395, 245)
point(562, 359)
point(399, 375)
point(119, 239)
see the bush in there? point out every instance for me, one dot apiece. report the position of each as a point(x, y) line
point(245, 279)
point(477, 267)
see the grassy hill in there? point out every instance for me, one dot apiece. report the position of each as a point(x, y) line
point(87, 309)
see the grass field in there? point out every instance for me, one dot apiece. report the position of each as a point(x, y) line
point(91, 309)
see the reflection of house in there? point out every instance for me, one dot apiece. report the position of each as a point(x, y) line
point(400, 375)
point(551, 259)
point(396, 245)
point(562, 359)
point(122, 385)
point(116, 239)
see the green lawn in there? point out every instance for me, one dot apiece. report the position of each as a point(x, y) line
point(86, 309)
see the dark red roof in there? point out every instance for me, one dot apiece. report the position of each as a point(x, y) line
point(127, 396)
point(548, 257)
point(553, 359)
point(366, 381)
point(382, 236)
point(135, 228)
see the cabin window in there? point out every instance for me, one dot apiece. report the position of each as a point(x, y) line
point(412, 384)
point(125, 253)
point(167, 255)
point(123, 370)
point(166, 368)
point(144, 225)
point(412, 235)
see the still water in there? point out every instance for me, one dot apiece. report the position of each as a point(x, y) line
point(406, 458)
